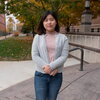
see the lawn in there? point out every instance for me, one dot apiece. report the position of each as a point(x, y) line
point(16, 48)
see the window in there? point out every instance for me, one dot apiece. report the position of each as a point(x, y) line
point(77, 30)
point(98, 29)
point(92, 29)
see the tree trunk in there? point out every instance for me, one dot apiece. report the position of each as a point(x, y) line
point(68, 28)
point(33, 32)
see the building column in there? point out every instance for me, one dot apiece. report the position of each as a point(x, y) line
point(86, 18)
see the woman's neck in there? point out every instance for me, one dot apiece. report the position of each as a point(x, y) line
point(51, 32)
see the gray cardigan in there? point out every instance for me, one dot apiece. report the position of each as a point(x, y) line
point(40, 54)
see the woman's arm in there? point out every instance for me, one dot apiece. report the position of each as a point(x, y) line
point(60, 60)
point(35, 53)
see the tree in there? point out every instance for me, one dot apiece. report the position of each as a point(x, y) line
point(29, 11)
point(26, 29)
point(71, 14)
point(2, 6)
point(95, 8)
point(25, 11)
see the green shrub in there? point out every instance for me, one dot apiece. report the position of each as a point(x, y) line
point(16, 48)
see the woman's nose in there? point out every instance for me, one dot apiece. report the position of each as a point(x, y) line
point(49, 21)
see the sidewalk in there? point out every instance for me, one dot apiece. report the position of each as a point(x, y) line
point(77, 85)
point(4, 37)
point(13, 72)
point(81, 85)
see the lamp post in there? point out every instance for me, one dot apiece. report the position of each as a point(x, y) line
point(86, 18)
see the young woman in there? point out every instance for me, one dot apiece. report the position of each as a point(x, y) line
point(49, 51)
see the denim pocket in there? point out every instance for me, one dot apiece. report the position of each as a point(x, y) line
point(58, 75)
point(38, 74)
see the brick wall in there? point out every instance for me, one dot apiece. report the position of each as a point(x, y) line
point(2, 23)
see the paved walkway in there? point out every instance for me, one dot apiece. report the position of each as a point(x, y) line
point(13, 72)
point(11, 35)
point(4, 37)
point(77, 85)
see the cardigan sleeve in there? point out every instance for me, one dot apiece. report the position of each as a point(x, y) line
point(35, 53)
point(60, 60)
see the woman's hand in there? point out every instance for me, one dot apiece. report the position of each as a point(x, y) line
point(54, 72)
point(47, 69)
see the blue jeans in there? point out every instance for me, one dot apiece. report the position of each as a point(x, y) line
point(46, 86)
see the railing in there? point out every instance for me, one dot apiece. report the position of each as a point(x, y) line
point(85, 47)
point(90, 42)
point(82, 56)
point(88, 33)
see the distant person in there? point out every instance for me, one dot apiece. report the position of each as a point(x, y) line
point(49, 51)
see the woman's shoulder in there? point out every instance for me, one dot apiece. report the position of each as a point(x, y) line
point(63, 36)
point(37, 35)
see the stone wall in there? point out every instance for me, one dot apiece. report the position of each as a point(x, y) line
point(87, 41)
point(2, 24)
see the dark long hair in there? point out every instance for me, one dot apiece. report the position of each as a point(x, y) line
point(41, 30)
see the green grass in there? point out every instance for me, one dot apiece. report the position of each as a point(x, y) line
point(15, 48)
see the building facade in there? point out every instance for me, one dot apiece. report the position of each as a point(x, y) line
point(95, 26)
point(2, 24)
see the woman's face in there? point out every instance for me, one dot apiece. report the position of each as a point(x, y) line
point(49, 23)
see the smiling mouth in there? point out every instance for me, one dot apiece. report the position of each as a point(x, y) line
point(49, 26)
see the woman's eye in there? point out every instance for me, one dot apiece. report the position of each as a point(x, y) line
point(46, 20)
point(51, 19)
